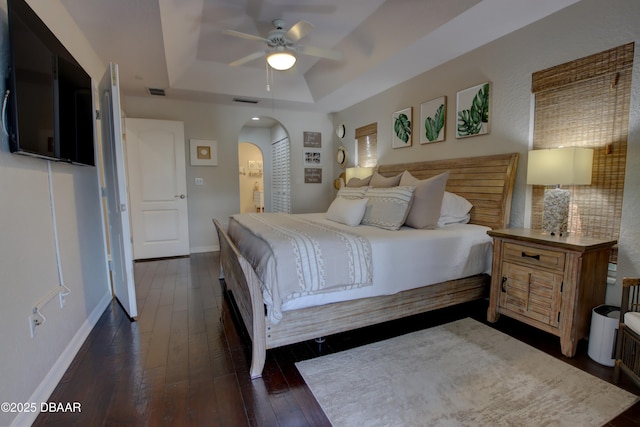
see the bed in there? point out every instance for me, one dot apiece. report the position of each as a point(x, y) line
point(487, 182)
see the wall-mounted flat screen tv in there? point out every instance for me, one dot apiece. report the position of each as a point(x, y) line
point(50, 104)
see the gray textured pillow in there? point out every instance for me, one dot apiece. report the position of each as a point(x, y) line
point(379, 181)
point(427, 199)
point(359, 182)
point(387, 207)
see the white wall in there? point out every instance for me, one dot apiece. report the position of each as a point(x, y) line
point(31, 368)
point(219, 196)
point(587, 27)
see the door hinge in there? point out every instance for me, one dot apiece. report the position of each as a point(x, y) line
point(110, 265)
point(97, 114)
point(562, 286)
point(558, 317)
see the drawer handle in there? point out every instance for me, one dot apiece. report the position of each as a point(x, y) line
point(504, 280)
point(526, 255)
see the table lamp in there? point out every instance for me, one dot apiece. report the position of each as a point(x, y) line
point(556, 167)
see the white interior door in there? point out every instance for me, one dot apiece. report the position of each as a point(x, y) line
point(157, 188)
point(116, 193)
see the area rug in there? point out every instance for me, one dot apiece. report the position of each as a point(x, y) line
point(458, 374)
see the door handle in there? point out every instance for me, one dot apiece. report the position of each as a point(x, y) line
point(504, 280)
point(181, 196)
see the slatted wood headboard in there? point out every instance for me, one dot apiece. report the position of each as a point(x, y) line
point(486, 181)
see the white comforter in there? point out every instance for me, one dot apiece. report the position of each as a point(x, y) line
point(401, 260)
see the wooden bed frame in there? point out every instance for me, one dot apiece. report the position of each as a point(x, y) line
point(487, 182)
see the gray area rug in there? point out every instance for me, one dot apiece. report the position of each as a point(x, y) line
point(458, 374)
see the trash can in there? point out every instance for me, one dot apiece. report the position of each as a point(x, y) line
point(604, 325)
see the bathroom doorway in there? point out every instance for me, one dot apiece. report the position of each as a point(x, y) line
point(251, 173)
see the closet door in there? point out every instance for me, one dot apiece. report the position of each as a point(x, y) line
point(281, 177)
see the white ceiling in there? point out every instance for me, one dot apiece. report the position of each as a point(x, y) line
point(178, 45)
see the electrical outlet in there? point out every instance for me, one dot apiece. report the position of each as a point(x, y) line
point(33, 322)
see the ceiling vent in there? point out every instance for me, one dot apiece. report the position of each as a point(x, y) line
point(245, 100)
point(156, 92)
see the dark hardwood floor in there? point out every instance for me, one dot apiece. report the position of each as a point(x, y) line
point(184, 363)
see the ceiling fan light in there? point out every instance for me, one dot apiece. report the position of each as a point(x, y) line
point(281, 60)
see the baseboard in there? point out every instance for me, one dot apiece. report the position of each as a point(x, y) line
point(51, 380)
point(201, 249)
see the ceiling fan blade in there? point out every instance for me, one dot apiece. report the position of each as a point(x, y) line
point(336, 55)
point(247, 58)
point(245, 36)
point(299, 30)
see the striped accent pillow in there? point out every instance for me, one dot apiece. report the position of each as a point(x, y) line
point(388, 207)
point(352, 192)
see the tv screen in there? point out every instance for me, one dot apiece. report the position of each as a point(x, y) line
point(50, 97)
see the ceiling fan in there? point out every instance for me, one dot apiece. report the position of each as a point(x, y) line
point(281, 45)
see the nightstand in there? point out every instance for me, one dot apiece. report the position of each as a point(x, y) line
point(549, 282)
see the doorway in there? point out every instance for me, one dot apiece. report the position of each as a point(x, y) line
point(251, 177)
point(273, 175)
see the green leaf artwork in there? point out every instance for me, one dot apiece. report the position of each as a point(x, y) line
point(434, 125)
point(402, 127)
point(472, 119)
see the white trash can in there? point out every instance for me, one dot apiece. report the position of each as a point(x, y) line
point(604, 324)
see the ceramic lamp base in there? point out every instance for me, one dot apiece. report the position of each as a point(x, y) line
point(555, 218)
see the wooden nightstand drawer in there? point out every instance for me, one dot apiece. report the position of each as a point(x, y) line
point(534, 256)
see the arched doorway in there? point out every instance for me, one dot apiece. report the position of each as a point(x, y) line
point(251, 177)
point(271, 138)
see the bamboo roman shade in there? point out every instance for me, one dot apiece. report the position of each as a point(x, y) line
point(367, 145)
point(585, 103)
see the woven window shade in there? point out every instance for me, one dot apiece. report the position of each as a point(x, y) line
point(585, 103)
point(367, 145)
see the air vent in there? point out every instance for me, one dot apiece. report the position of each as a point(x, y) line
point(245, 100)
point(156, 92)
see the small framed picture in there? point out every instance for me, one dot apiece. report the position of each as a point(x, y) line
point(312, 158)
point(203, 152)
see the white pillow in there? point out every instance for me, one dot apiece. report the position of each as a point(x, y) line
point(446, 220)
point(455, 209)
point(347, 211)
point(387, 207)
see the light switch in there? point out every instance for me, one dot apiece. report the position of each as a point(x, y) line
point(199, 181)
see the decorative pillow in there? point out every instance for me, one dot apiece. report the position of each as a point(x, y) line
point(359, 182)
point(454, 205)
point(387, 207)
point(347, 211)
point(351, 192)
point(427, 199)
point(379, 181)
point(446, 220)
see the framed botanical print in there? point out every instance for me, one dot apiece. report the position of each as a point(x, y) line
point(401, 128)
point(433, 120)
point(472, 110)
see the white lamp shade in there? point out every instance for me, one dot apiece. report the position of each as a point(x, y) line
point(357, 172)
point(560, 166)
point(281, 60)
